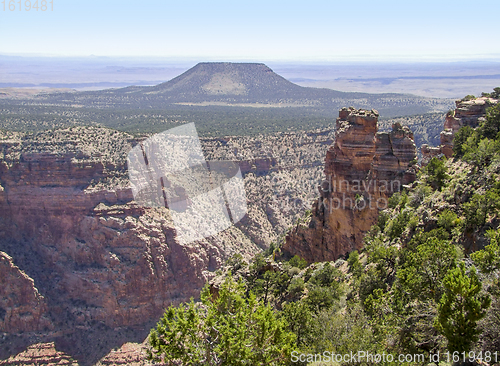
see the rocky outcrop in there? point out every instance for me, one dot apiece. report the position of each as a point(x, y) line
point(130, 354)
point(468, 112)
point(22, 308)
point(259, 166)
point(40, 354)
point(363, 168)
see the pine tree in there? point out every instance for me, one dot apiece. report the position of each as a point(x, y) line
point(460, 308)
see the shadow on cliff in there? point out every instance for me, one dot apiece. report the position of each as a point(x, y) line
point(88, 346)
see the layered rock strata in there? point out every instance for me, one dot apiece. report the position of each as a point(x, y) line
point(363, 168)
point(79, 255)
point(468, 112)
point(22, 307)
point(102, 267)
point(40, 354)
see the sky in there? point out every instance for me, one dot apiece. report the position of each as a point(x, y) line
point(309, 31)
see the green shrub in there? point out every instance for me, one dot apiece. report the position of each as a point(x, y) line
point(354, 264)
point(298, 262)
point(418, 195)
point(230, 329)
point(394, 200)
point(496, 93)
point(488, 259)
point(447, 220)
point(491, 126)
point(343, 332)
point(479, 208)
point(326, 276)
point(383, 218)
point(436, 171)
point(397, 225)
point(296, 288)
point(460, 139)
point(460, 308)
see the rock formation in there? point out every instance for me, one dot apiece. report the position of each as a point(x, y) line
point(130, 354)
point(468, 112)
point(363, 168)
point(40, 354)
point(22, 308)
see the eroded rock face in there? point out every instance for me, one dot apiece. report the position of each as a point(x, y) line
point(40, 354)
point(100, 256)
point(82, 255)
point(363, 168)
point(130, 354)
point(22, 307)
point(467, 113)
point(105, 267)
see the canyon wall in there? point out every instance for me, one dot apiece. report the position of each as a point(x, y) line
point(87, 269)
point(363, 168)
point(77, 253)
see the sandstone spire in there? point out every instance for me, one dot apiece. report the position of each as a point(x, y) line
point(363, 168)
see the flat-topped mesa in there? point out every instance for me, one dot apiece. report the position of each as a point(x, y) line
point(363, 168)
point(468, 112)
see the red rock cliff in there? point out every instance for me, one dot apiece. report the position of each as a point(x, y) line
point(468, 113)
point(363, 168)
point(81, 256)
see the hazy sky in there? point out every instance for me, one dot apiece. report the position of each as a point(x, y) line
point(256, 30)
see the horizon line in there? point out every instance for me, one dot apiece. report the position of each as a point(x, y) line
point(340, 59)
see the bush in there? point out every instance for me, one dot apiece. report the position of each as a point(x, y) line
point(383, 218)
point(460, 308)
point(479, 208)
point(447, 220)
point(298, 262)
point(324, 288)
point(468, 97)
point(460, 139)
point(354, 264)
point(488, 259)
point(436, 172)
point(418, 195)
point(491, 127)
point(229, 329)
point(483, 153)
point(343, 332)
point(396, 227)
point(326, 276)
point(495, 94)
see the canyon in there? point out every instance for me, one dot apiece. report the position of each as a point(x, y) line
point(91, 271)
point(88, 270)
